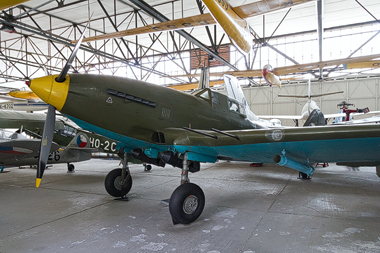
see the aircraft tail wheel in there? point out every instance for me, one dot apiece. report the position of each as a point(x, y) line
point(70, 167)
point(114, 183)
point(186, 203)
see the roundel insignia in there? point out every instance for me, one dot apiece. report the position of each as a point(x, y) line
point(275, 135)
point(81, 141)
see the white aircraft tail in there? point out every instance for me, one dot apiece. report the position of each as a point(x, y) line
point(235, 91)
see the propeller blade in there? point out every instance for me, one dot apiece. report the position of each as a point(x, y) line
point(62, 76)
point(46, 141)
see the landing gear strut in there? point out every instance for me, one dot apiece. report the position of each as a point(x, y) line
point(188, 200)
point(118, 182)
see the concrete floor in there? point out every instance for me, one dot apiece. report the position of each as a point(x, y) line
point(265, 209)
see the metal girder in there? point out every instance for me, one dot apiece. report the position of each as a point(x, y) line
point(201, 8)
point(56, 38)
point(157, 15)
point(115, 27)
point(320, 33)
point(89, 49)
point(280, 53)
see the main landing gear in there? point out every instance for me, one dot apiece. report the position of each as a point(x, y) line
point(118, 182)
point(188, 200)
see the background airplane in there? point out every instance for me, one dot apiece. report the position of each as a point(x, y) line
point(16, 148)
point(307, 109)
point(74, 144)
point(20, 100)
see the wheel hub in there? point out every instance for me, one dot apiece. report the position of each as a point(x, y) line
point(118, 183)
point(190, 204)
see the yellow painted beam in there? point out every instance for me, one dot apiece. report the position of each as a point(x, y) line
point(24, 94)
point(5, 4)
point(192, 86)
point(364, 64)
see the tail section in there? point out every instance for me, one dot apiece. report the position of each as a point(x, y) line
point(235, 91)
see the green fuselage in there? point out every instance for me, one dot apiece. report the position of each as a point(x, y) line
point(139, 110)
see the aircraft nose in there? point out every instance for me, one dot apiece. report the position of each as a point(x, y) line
point(50, 91)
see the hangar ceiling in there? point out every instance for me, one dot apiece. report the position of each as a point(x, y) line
point(35, 38)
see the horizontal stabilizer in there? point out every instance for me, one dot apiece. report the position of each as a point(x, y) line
point(312, 96)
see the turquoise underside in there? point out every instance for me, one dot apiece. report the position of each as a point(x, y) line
point(336, 150)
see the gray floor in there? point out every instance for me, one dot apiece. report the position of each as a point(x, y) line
point(264, 209)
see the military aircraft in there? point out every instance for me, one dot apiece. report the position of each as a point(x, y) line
point(15, 147)
point(24, 151)
point(75, 145)
point(161, 126)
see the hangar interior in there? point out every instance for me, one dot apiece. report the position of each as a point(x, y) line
point(250, 209)
point(35, 41)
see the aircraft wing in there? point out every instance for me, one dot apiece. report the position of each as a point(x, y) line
point(364, 64)
point(182, 23)
point(301, 144)
point(362, 113)
point(24, 94)
point(373, 119)
point(191, 86)
point(334, 115)
point(279, 116)
point(263, 7)
point(322, 64)
point(5, 4)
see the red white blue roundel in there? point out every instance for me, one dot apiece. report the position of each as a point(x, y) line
point(81, 141)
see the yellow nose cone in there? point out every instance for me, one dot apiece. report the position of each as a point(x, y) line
point(50, 91)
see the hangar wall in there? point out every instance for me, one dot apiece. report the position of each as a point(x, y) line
point(361, 91)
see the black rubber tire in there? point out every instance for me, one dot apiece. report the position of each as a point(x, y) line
point(70, 167)
point(148, 167)
point(186, 192)
point(304, 175)
point(111, 184)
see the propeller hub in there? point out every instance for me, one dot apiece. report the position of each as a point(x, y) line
point(50, 91)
